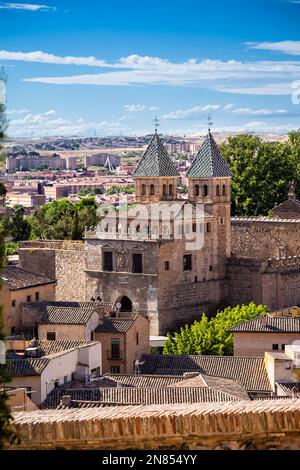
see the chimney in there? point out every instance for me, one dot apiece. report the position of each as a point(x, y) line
point(119, 384)
point(65, 400)
point(264, 321)
point(190, 375)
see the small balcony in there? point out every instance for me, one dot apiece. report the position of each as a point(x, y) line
point(115, 355)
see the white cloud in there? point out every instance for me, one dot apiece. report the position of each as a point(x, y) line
point(287, 47)
point(261, 112)
point(25, 6)
point(17, 111)
point(192, 113)
point(47, 123)
point(228, 106)
point(273, 89)
point(44, 57)
point(135, 108)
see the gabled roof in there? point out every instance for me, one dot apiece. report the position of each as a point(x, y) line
point(46, 347)
point(114, 325)
point(268, 324)
point(66, 315)
point(27, 367)
point(209, 161)
point(249, 371)
point(155, 160)
point(16, 278)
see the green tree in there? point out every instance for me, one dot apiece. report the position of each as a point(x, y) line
point(261, 172)
point(212, 336)
point(63, 220)
point(19, 227)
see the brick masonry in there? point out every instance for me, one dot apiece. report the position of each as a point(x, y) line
point(262, 425)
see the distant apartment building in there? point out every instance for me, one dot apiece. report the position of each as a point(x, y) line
point(100, 159)
point(33, 162)
point(70, 187)
point(25, 199)
point(72, 163)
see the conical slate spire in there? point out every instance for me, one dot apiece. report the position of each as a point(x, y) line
point(209, 161)
point(155, 160)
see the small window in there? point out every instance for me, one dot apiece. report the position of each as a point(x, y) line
point(115, 369)
point(196, 279)
point(167, 265)
point(275, 347)
point(115, 349)
point(164, 190)
point(223, 190)
point(197, 190)
point(187, 262)
point(28, 298)
point(211, 267)
point(152, 189)
point(51, 335)
point(56, 384)
point(107, 261)
point(218, 190)
point(137, 263)
point(170, 189)
point(137, 339)
point(37, 296)
point(13, 303)
point(205, 190)
point(12, 330)
point(283, 347)
point(194, 227)
point(208, 227)
point(143, 189)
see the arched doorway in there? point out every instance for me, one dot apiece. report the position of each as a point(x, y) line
point(126, 304)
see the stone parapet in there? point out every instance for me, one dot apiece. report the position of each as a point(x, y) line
point(267, 424)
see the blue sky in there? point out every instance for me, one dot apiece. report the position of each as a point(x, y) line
point(86, 67)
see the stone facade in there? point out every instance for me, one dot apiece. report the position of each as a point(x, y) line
point(243, 425)
point(60, 259)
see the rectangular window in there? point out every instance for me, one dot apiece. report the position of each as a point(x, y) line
point(51, 335)
point(28, 298)
point(107, 261)
point(37, 296)
point(13, 303)
point(137, 263)
point(115, 369)
point(275, 347)
point(167, 265)
point(187, 262)
point(137, 339)
point(115, 348)
point(283, 347)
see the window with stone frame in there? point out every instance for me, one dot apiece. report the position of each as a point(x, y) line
point(137, 263)
point(107, 264)
point(187, 262)
point(51, 335)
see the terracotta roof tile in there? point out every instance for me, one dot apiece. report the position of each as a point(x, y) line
point(16, 278)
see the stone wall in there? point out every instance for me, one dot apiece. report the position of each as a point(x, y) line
point(244, 425)
point(261, 237)
point(62, 260)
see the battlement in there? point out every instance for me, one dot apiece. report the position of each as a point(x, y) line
point(287, 263)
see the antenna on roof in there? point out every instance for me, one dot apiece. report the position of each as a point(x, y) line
point(156, 124)
point(209, 121)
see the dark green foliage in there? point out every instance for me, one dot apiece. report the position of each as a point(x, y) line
point(261, 172)
point(212, 336)
point(19, 227)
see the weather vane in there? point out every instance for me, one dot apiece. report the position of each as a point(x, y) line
point(209, 121)
point(156, 123)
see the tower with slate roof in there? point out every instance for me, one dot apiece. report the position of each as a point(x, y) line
point(209, 179)
point(156, 175)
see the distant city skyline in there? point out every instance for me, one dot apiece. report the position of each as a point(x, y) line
point(94, 68)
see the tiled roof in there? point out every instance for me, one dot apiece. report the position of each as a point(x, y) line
point(229, 386)
point(273, 325)
point(155, 161)
point(249, 371)
point(46, 347)
point(149, 381)
point(208, 162)
point(114, 325)
point(25, 367)
point(140, 396)
point(290, 389)
point(16, 278)
point(66, 315)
